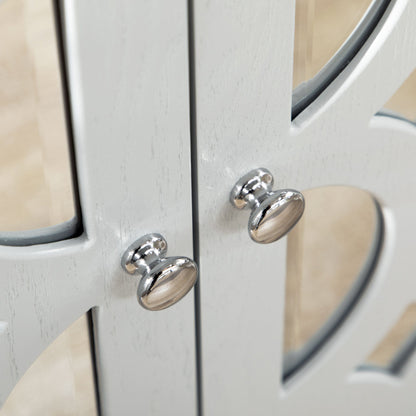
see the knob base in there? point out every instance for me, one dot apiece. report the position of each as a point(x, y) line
point(251, 188)
point(141, 255)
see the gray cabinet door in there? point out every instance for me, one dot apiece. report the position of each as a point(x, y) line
point(127, 64)
point(243, 95)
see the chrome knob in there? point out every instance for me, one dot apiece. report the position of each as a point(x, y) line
point(274, 213)
point(164, 280)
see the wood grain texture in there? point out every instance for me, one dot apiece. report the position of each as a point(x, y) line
point(243, 89)
point(130, 113)
point(129, 96)
point(243, 83)
point(129, 83)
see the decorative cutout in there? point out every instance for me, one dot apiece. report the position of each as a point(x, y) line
point(397, 346)
point(328, 34)
point(330, 257)
point(60, 381)
point(322, 26)
point(35, 173)
point(403, 103)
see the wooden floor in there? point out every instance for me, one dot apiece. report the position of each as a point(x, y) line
point(36, 191)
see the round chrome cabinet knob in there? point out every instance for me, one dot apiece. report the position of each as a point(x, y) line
point(274, 213)
point(164, 280)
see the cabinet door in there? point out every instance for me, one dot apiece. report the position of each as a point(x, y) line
point(243, 103)
point(127, 66)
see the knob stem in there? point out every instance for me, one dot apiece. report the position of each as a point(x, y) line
point(144, 254)
point(252, 189)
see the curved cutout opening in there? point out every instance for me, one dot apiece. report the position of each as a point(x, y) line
point(37, 169)
point(396, 348)
point(60, 381)
point(331, 255)
point(402, 105)
point(314, 72)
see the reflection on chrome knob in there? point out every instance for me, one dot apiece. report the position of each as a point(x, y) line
point(274, 213)
point(164, 280)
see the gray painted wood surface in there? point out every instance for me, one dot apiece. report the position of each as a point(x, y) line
point(128, 73)
point(129, 94)
point(243, 89)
